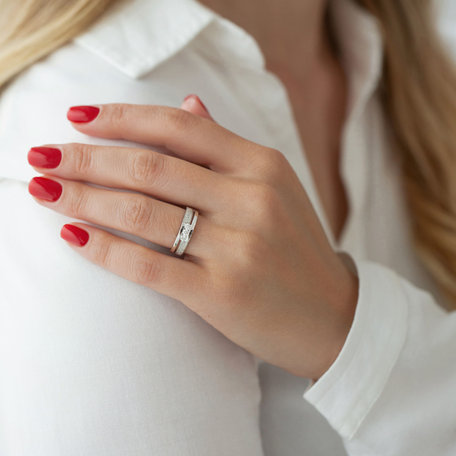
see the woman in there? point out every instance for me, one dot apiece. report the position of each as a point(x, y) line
point(116, 346)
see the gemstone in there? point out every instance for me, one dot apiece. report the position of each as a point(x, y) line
point(186, 231)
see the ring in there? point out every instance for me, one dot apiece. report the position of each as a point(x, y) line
point(185, 231)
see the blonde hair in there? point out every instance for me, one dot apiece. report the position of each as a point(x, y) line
point(418, 90)
point(419, 98)
point(32, 29)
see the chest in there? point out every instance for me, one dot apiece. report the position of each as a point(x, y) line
point(319, 110)
point(330, 189)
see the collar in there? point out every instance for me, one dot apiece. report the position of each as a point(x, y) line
point(137, 35)
point(360, 43)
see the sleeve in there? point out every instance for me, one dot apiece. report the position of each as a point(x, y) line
point(392, 389)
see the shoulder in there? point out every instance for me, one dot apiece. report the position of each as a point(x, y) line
point(121, 58)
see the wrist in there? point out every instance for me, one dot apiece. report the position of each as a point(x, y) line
point(344, 307)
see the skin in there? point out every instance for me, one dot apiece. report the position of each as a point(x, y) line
point(256, 269)
point(314, 80)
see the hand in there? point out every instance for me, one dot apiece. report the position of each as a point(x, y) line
point(258, 267)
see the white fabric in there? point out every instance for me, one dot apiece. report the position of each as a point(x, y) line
point(92, 364)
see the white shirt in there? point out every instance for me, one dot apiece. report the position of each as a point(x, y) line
point(92, 364)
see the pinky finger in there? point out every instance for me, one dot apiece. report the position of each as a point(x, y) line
point(164, 273)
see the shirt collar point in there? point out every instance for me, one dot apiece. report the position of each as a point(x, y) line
point(137, 35)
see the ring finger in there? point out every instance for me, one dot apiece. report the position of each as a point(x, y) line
point(146, 217)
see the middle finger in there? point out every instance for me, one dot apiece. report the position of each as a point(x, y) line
point(165, 177)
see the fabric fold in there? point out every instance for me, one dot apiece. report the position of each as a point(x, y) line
point(345, 393)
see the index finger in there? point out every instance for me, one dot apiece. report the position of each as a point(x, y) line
point(192, 137)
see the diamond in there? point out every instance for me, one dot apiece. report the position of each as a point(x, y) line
point(186, 232)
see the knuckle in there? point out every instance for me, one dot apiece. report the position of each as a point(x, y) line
point(272, 166)
point(146, 167)
point(117, 114)
point(78, 202)
point(137, 214)
point(251, 250)
point(180, 119)
point(263, 200)
point(146, 270)
point(102, 253)
point(276, 156)
point(82, 157)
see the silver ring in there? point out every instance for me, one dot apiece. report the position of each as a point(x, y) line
point(185, 231)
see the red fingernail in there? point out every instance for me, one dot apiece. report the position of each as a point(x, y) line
point(198, 99)
point(81, 114)
point(46, 189)
point(74, 234)
point(44, 157)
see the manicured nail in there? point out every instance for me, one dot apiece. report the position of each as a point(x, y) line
point(81, 114)
point(74, 234)
point(44, 157)
point(198, 99)
point(45, 189)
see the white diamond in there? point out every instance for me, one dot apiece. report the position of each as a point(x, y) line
point(185, 232)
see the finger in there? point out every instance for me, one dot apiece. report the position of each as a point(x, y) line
point(193, 104)
point(150, 219)
point(192, 137)
point(165, 177)
point(172, 276)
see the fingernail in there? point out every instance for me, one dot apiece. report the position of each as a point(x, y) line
point(189, 96)
point(44, 157)
point(198, 99)
point(82, 114)
point(45, 189)
point(74, 234)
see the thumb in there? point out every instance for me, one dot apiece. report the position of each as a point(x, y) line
point(193, 104)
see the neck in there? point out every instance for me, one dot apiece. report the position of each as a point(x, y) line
point(296, 42)
point(292, 34)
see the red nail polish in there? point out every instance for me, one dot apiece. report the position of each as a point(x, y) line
point(198, 99)
point(189, 96)
point(46, 189)
point(44, 157)
point(82, 114)
point(74, 234)
point(202, 104)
